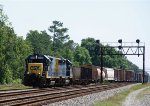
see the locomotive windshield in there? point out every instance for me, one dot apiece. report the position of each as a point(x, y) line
point(37, 59)
point(69, 64)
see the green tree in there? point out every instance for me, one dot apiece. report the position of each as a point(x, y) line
point(68, 50)
point(7, 37)
point(59, 35)
point(82, 55)
point(13, 51)
point(70, 45)
point(67, 54)
point(40, 41)
point(22, 49)
point(90, 45)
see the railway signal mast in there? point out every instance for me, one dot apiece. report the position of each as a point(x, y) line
point(1, 8)
point(123, 48)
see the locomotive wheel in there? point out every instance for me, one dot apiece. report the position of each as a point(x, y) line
point(33, 80)
point(26, 80)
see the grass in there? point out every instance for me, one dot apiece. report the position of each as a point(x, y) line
point(13, 87)
point(144, 92)
point(118, 98)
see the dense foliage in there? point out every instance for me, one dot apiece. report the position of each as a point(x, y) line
point(13, 51)
point(55, 42)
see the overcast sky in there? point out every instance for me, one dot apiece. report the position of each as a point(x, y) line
point(107, 20)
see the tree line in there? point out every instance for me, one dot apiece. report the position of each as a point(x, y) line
point(56, 42)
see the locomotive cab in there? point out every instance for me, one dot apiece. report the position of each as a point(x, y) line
point(36, 67)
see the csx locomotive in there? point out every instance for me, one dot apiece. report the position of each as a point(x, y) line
point(43, 70)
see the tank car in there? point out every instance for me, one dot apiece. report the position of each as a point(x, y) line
point(43, 70)
point(110, 74)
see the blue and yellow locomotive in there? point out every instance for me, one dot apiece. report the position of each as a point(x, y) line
point(43, 70)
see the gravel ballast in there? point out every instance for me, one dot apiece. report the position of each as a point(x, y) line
point(88, 100)
point(145, 101)
point(132, 99)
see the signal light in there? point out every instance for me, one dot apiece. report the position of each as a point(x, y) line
point(120, 47)
point(97, 41)
point(120, 41)
point(137, 41)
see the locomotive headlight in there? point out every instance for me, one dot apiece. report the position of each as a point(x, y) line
point(28, 72)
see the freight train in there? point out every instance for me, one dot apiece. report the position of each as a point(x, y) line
point(43, 71)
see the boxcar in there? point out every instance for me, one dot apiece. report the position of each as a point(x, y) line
point(135, 76)
point(76, 71)
point(146, 77)
point(117, 75)
point(129, 75)
point(122, 74)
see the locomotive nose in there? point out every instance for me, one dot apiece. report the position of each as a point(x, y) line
point(36, 68)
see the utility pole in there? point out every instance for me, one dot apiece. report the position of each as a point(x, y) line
point(1, 8)
point(101, 64)
point(99, 51)
point(143, 64)
point(54, 49)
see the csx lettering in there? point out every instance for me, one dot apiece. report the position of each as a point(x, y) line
point(35, 68)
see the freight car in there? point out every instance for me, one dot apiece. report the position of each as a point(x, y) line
point(86, 74)
point(118, 75)
point(146, 77)
point(139, 76)
point(110, 74)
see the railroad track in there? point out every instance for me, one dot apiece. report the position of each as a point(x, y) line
point(51, 95)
